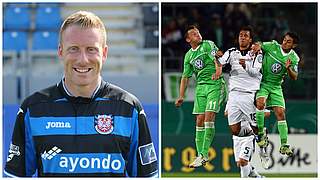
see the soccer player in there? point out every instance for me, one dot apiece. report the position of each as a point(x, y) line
point(240, 144)
point(210, 90)
point(82, 126)
point(244, 81)
point(279, 60)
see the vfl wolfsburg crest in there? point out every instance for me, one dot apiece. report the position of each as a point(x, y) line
point(213, 52)
point(276, 68)
point(198, 63)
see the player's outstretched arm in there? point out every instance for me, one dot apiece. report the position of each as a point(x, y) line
point(183, 87)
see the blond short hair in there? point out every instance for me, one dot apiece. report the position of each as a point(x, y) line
point(84, 19)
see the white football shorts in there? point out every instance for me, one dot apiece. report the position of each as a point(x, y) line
point(243, 147)
point(240, 106)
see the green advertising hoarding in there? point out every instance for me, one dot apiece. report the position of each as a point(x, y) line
point(179, 151)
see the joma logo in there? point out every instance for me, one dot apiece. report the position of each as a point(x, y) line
point(58, 125)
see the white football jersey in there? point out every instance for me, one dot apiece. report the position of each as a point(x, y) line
point(248, 79)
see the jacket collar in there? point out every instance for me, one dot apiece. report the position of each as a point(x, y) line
point(66, 93)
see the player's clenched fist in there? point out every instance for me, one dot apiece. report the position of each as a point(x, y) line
point(179, 101)
point(256, 47)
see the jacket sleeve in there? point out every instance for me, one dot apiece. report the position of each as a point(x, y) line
point(21, 159)
point(143, 159)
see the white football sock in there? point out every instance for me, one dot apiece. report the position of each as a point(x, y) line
point(253, 172)
point(245, 170)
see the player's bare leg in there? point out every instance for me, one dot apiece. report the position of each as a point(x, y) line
point(283, 131)
point(235, 128)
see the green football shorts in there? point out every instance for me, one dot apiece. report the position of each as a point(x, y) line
point(209, 97)
point(273, 94)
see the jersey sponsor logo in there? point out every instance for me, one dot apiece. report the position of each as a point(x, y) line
point(55, 162)
point(59, 124)
point(103, 124)
point(276, 68)
point(198, 63)
point(13, 151)
point(84, 163)
point(147, 154)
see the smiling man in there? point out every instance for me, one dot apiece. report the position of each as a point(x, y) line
point(83, 126)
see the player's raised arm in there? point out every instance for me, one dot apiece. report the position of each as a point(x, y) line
point(218, 65)
point(218, 70)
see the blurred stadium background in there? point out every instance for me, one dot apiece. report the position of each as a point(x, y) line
point(220, 22)
point(30, 61)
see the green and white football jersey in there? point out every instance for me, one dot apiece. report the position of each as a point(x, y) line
point(274, 61)
point(200, 61)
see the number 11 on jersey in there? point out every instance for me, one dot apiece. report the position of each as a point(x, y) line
point(212, 103)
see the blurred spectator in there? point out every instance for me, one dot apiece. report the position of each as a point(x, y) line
point(245, 9)
point(172, 38)
point(280, 26)
point(216, 8)
point(171, 32)
point(182, 21)
point(216, 31)
point(196, 18)
point(234, 18)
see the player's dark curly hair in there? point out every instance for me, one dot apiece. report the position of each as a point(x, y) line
point(294, 36)
point(248, 28)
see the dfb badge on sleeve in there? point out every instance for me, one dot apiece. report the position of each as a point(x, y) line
point(147, 154)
